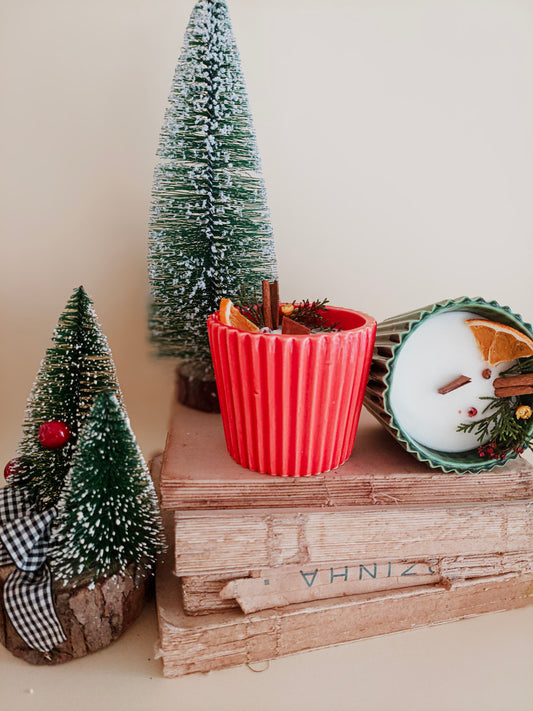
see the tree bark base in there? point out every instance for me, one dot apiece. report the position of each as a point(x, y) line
point(92, 617)
point(196, 393)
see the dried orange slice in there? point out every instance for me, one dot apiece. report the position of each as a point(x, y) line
point(499, 343)
point(231, 316)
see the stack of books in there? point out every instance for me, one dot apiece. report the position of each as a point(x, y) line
point(260, 566)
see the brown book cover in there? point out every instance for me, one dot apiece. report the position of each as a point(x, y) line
point(198, 473)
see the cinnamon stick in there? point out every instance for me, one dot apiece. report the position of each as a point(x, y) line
point(288, 326)
point(514, 392)
point(267, 305)
point(512, 381)
point(457, 383)
point(274, 301)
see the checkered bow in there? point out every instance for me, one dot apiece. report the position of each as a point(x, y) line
point(28, 600)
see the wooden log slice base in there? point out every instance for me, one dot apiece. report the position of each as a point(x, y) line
point(92, 617)
point(196, 393)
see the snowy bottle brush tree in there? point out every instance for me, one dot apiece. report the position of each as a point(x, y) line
point(108, 515)
point(77, 367)
point(79, 519)
point(210, 232)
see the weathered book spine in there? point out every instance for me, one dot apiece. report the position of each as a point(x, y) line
point(514, 482)
point(201, 594)
point(226, 541)
point(277, 587)
point(202, 644)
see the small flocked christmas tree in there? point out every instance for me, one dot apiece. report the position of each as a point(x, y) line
point(74, 370)
point(210, 232)
point(108, 515)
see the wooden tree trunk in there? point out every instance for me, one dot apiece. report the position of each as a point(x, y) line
point(197, 393)
point(92, 617)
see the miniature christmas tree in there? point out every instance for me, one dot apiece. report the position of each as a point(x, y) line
point(210, 233)
point(74, 370)
point(108, 515)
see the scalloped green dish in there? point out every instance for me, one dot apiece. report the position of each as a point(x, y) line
point(391, 335)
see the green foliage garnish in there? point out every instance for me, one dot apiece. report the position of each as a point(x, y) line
point(501, 430)
point(523, 365)
point(250, 305)
point(311, 314)
point(307, 313)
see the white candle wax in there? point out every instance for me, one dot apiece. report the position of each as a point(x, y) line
point(441, 349)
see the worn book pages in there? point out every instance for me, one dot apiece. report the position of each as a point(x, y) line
point(210, 542)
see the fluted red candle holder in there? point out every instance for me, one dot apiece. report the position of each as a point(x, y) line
point(290, 404)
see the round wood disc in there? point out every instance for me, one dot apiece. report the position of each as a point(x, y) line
point(92, 616)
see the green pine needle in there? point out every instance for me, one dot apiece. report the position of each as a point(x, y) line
point(311, 314)
point(500, 427)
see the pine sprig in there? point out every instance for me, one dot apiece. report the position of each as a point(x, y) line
point(307, 313)
point(250, 305)
point(501, 431)
point(522, 366)
point(311, 314)
point(500, 427)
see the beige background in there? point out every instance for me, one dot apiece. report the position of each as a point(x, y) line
point(397, 148)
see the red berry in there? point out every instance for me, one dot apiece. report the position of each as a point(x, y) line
point(11, 467)
point(472, 412)
point(54, 434)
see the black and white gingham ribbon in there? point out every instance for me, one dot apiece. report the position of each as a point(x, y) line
point(28, 600)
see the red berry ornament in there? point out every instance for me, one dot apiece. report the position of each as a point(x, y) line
point(54, 434)
point(11, 467)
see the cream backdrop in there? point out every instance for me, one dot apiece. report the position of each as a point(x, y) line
point(397, 147)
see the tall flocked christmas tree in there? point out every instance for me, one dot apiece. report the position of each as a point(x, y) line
point(108, 515)
point(77, 367)
point(210, 232)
